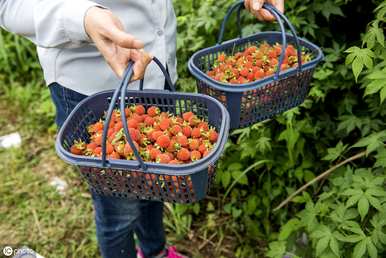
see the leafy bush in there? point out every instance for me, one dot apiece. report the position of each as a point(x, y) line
point(263, 164)
point(347, 220)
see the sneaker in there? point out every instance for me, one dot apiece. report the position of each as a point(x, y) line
point(171, 252)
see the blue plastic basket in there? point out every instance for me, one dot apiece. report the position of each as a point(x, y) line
point(259, 100)
point(135, 178)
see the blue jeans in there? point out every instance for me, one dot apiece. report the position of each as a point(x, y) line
point(117, 219)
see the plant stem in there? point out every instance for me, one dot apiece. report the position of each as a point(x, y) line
point(316, 179)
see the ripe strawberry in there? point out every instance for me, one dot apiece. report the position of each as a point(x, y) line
point(194, 144)
point(128, 151)
point(284, 67)
point(78, 148)
point(97, 151)
point(259, 74)
point(127, 112)
point(221, 57)
point(251, 50)
point(196, 132)
point(91, 146)
point(173, 146)
point(132, 123)
point(269, 72)
point(97, 138)
point(98, 126)
point(187, 130)
point(272, 53)
point(187, 115)
point(154, 152)
point(163, 158)
point(171, 156)
point(203, 125)
point(212, 135)
point(176, 129)
point(163, 141)
point(153, 111)
point(112, 123)
point(183, 154)
point(155, 135)
point(193, 121)
point(114, 155)
point(119, 148)
point(164, 124)
point(134, 134)
point(174, 161)
point(202, 148)
point(290, 51)
point(244, 72)
point(251, 76)
point(164, 115)
point(139, 109)
point(195, 155)
point(110, 132)
point(149, 120)
point(139, 118)
point(109, 148)
point(118, 126)
point(182, 140)
point(178, 120)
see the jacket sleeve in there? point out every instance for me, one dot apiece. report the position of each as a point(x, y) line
point(48, 23)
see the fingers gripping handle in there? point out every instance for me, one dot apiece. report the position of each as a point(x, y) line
point(279, 17)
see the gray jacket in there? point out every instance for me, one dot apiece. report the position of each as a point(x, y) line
point(65, 51)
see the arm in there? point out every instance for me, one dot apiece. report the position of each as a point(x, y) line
point(69, 23)
point(48, 23)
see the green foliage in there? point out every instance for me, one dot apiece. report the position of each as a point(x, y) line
point(345, 113)
point(347, 220)
point(266, 162)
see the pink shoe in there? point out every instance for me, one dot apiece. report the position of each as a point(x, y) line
point(171, 252)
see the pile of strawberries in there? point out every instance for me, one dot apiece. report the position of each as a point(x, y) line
point(158, 136)
point(254, 63)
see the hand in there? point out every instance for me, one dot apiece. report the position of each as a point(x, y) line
point(255, 7)
point(116, 46)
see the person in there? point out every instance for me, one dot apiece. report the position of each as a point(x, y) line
point(78, 41)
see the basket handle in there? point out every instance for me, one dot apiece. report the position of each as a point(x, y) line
point(239, 5)
point(126, 82)
point(165, 73)
point(110, 110)
point(293, 32)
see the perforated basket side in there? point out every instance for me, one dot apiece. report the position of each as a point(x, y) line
point(123, 178)
point(203, 60)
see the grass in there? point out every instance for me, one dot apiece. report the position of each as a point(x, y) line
point(33, 213)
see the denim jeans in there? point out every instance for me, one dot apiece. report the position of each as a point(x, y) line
point(117, 219)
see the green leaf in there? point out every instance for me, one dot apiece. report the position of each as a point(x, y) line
point(375, 203)
point(357, 67)
point(334, 245)
point(336, 152)
point(363, 207)
point(383, 94)
point(240, 177)
point(286, 230)
point(360, 249)
point(381, 158)
point(372, 142)
point(225, 178)
point(359, 58)
point(322, 245)
point(372, 250)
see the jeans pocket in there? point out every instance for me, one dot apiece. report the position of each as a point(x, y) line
point(65, 101)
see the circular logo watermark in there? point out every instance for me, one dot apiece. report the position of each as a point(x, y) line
point(7, 251)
